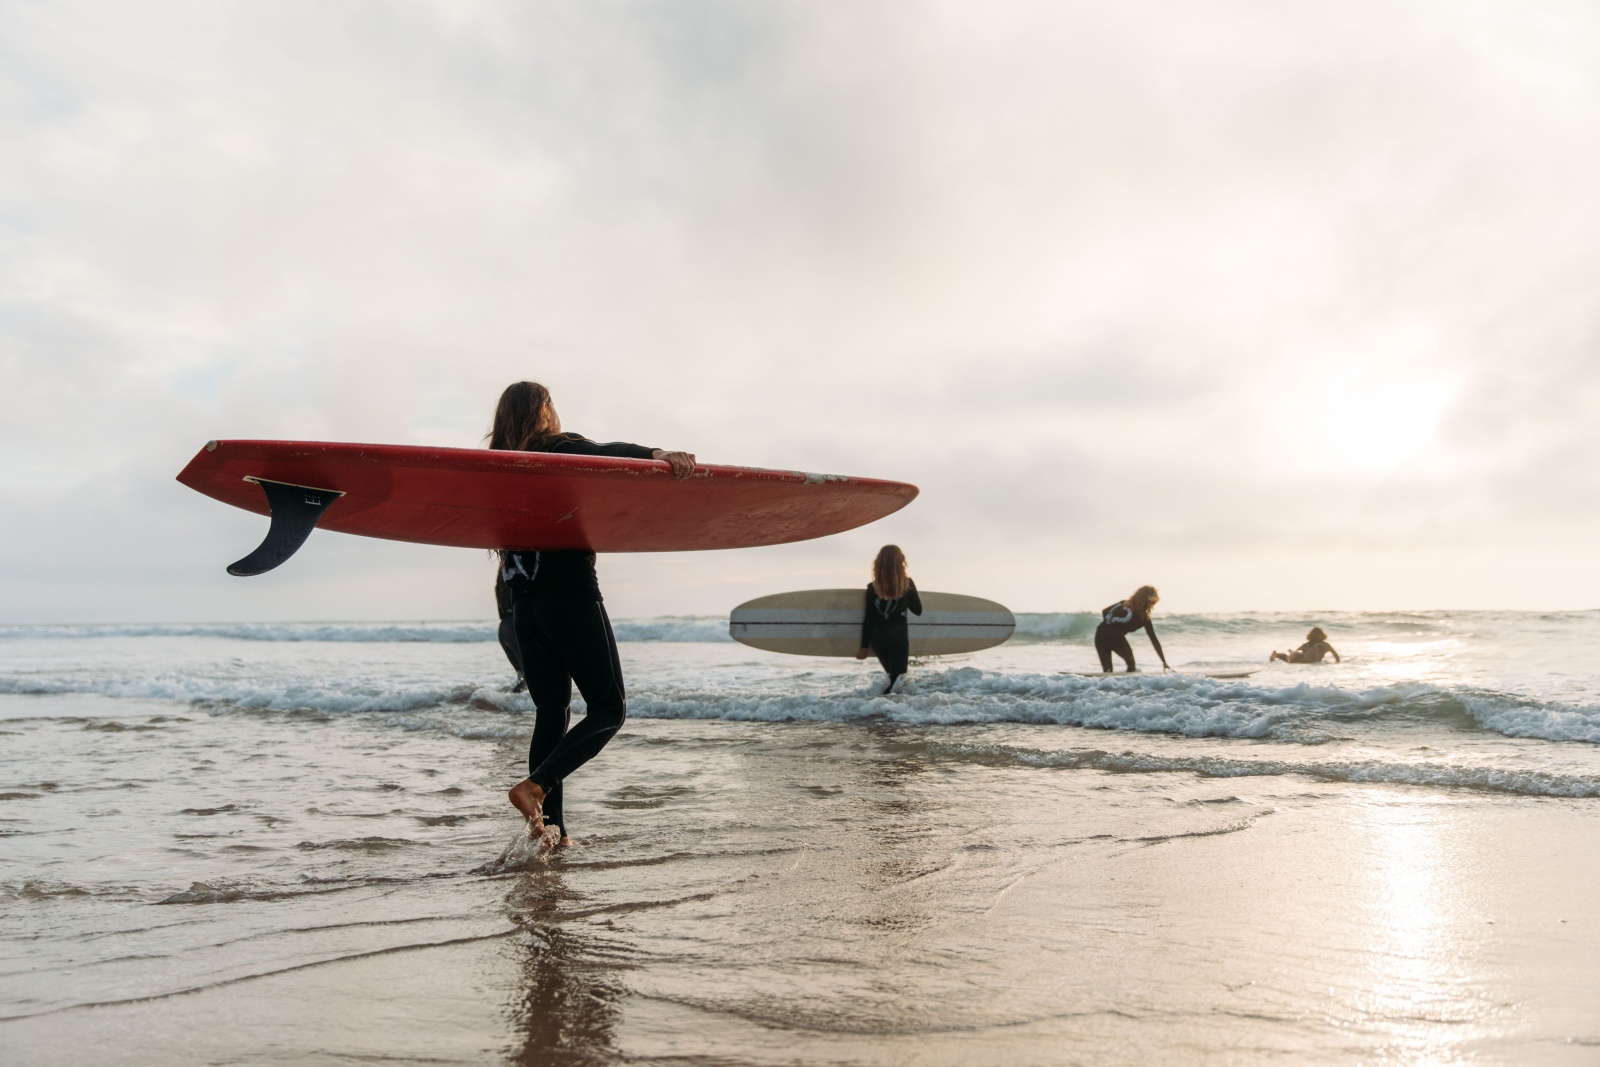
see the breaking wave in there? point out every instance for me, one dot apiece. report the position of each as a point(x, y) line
point(1449, 775)
point(1183, 705)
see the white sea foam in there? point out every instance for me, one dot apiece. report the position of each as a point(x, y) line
point(1525, 718)
point(331, 696)
point(1442, 675)
point(1179, 704)
point(1186, 705)
point(1456, 776)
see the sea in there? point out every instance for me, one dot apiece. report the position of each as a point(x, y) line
point(288, 843)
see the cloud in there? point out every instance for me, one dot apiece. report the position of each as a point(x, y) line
point(1089, 274)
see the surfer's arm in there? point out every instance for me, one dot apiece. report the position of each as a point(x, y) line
point(576, 444)
point(1155, 642)
point(502, 594)
point(1335, 652)
point(868, 617)
point(913, 601)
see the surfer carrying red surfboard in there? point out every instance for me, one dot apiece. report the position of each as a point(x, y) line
point(1120, 620)
point(884, 629)
point(563, 634)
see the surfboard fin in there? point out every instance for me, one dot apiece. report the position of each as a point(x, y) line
point(295, 511)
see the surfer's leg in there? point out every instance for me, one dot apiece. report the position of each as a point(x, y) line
point(549, 726)
point(1103, 642)
point(1120, 646)
point(550, 686)
point(582, 632)
point(893, 657)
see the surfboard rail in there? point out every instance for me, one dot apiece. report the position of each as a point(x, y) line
point(827, 622)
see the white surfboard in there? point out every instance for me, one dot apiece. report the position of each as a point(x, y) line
point(827, 622)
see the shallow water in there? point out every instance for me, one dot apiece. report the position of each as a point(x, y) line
point(282, 844)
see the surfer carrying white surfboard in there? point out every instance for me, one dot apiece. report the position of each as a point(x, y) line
point(1120, 620)
point(563, 634)
point(884, 629)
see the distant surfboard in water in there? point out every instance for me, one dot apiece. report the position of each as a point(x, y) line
point(827, 622)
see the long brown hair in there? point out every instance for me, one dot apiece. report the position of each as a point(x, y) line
point(524, 416)
point(889, 579)
point(1144, 600)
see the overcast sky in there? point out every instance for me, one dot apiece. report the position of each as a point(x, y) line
point(1273, 305)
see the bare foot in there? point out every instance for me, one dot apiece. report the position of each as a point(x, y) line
point(527, 797)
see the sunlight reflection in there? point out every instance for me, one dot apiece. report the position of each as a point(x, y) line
point(1396, 661)
point(1420, 993)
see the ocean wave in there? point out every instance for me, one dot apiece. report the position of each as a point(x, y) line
point(332, 696)
point(1058, 626)
point(1446, 775)
point(689, 628)
point(1521, 717)
point(1065, 627)
point(693, 628)
point(1183, 705)
point(446, 632)
point(1178, 704)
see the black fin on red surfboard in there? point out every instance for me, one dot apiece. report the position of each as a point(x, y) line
point(295, 511)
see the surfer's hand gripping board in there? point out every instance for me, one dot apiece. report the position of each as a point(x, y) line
point(482, 498)
point(682, 462)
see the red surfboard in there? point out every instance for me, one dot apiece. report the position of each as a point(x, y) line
point(478, 498)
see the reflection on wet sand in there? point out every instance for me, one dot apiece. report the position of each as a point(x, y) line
point(1423, 993)
point(565, 1007)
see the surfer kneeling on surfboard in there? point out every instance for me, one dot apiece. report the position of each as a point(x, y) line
point(884, 629)
point(1120, 620)
point(562, 632)
point(1312, 651)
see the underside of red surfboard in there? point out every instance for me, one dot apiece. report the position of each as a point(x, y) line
point(477, 498)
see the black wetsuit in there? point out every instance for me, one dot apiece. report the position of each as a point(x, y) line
point(884, 629)
point(564, 636)
point(1311, 652)
point(1116, 623)
point(508, 631)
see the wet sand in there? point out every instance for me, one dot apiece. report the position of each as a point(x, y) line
point(274, 888)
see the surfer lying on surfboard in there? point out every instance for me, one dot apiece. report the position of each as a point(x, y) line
point(884, 628)
point(562, 632)
point(1120, 620)
point(1315, 648)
